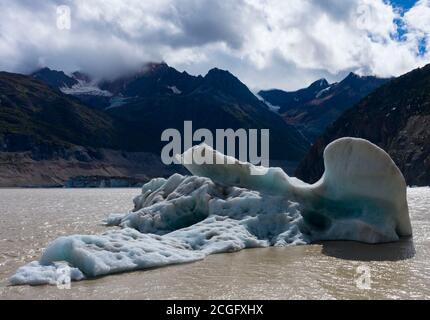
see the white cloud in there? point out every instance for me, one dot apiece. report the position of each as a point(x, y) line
point(419, 16)
point(266, 43)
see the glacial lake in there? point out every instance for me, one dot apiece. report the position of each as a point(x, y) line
point(32, 218)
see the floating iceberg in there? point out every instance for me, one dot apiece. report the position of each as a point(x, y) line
point(232, 206)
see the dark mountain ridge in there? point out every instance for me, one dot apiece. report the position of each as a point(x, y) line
point(288, 100)
point(217, 101)
point(154, 79)
point(55, 79)
point(159, 97)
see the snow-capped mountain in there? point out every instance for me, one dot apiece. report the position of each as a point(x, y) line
point(153, 79)
point(55, 79)
point(77, 84)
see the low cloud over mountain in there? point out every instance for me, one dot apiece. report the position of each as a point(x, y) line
point(267, 43)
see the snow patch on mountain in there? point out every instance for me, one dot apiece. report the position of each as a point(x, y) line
point(323, 92)
point(271, 107)
point(174, 89)
point(86, 88)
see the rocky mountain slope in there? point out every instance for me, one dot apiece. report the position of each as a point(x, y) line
point(34, 115)
point(47, 137)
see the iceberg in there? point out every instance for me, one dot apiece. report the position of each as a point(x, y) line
point(230, 205)
point(361, 195)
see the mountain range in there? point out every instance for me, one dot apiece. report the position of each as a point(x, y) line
point(70, 129)
point(313, 109)
point(105, 128)
point(159, 97)
point(396, 117)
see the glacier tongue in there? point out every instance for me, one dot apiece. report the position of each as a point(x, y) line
point(228, 207)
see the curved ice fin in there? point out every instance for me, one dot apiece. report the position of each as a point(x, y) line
point(361, 196)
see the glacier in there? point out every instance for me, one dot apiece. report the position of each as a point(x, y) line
point(230, 205)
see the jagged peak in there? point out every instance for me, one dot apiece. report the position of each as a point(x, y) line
point(219, 71)
point(216, 74)
point(320, 83)
point(353, 75)
point(48, 70)
point(54, 78)
point(152, 66)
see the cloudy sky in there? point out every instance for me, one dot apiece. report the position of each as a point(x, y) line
point(266, 43)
